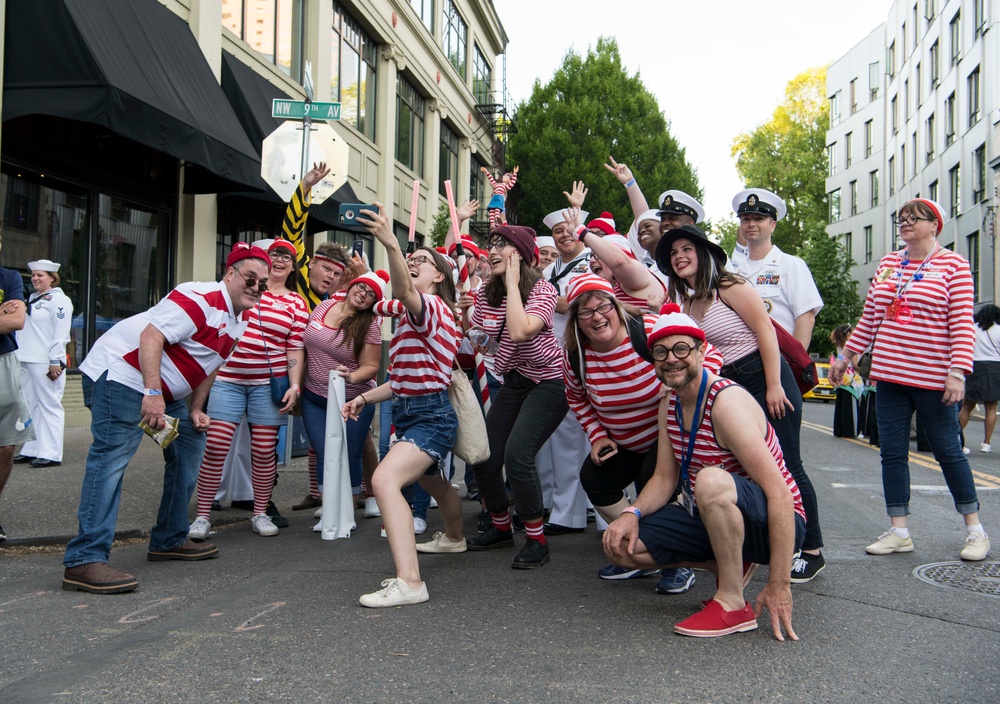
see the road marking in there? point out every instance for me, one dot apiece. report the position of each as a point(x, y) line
point(985, 480)
point(942, 488)
point(131, 618)
point(245, 626)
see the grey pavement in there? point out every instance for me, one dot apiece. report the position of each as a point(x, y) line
point(277, 619)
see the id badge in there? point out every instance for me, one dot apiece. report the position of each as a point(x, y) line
point(686, 501)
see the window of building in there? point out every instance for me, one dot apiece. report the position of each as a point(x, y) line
point(929, 138)
point(835, 108)
point(950, 120)
point(869, 236)
point(913, 153)
point(955, 34)
point(918, 88)
point(955, 190)
point(835, 206)
point(477, 184)
point(979, 174)
point(454, 36)
point(906, 98)
point(902, 41)
point(482, 78)
point(930, 10)
point(448, 162)
point(892, 175)
point(979, 15)
point(854, 95)
point(849, 245)
point(272, 28)
point(894, 114)
point(902, 163)
point(874, 80)
point(869, 139)
point(353, 60)
point(849, 147)
point(972, 247)
point(932, 191)
point(854, 197)
point(425, 11)
point(935, 62)
point(890, 59)
point(831, 158)
point(409, 126)
point(974, 97)
point(873, 188)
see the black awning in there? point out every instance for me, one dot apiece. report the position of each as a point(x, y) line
point(250, 95)
point(134, 67)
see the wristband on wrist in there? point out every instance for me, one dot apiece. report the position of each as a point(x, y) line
point(957, 375)
point(634, 511)
point(841, 358)
point(363, 398)
point(298, 390)
point(152, 392)
point(630, 183)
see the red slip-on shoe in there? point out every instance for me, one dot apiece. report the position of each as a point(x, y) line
point(714, 621)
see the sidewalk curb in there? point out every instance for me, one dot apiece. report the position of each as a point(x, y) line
point(49, 540)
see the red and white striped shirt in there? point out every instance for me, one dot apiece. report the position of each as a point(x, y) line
point(941, 334)
point(707, 452)
point(200, 328)
point(539, 358)
point(274, 328)
point(725, 329)
point(327, 349)
point(422, 352)
point(631, 300)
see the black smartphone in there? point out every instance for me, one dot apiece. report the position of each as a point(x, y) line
point(359, 249)
point(606, 451)
point(349, 213)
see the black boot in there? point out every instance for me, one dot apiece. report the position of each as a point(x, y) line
point(533, 555)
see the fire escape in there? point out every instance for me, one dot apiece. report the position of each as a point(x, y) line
point(496, 121)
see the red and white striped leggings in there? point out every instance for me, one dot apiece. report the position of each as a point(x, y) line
point(263, 443)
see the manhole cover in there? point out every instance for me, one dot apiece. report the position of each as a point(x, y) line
point(977, 577)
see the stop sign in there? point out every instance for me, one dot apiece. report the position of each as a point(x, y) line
point(281, 159)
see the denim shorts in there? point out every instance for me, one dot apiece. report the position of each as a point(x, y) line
point(429, 422)
point(673, 536)
point(228, 401)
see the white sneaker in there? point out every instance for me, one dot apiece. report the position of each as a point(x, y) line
point(371, 508)
point(966, 450)
point(977, 546)
point(889, 543)
point(318, 528)
point(382, 532)
point(434, 503)
point(985, 447)
point(442, 543)
point(395, 592)
point(419, 526)
point(200, 529)
point(263, 526)
point(318, 513)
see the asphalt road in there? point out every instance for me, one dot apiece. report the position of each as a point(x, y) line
point(277, 619)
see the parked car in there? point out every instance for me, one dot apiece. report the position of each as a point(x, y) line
point(823, 391)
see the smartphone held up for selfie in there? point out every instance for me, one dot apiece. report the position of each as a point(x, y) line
point(350, 212)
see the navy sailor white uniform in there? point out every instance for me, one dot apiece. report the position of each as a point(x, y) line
point(559, 460)
point(42, 343)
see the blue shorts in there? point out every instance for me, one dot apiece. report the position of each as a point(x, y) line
point(228, 401)
point(429, 422)
point(673, 536)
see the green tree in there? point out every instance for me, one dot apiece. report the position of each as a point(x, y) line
point(787, 155)
point(592, 109)
point(440, 225)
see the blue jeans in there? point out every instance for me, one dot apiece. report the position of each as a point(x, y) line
point(748, 372)
point(895, 404)
point(115, 414)
point(314, 417)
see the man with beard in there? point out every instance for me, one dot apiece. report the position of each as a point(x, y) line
point(738, 505)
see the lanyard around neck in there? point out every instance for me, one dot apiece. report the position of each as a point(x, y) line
point(688, 452)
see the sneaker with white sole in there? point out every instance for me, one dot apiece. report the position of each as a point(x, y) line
point(382, 532)
point(433, 503)
point(200, 529)
point(318, 512)
point(889, 543)
point(977, 546)
point(371, 508)
point(395, 592)
point(442, 543)
point(419, 525)
point(986, 448)
point(262, 525)
point(966, 450)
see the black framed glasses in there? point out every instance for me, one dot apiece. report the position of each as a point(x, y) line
point(681, 350)
point(588, 313)
point(497, 243)
point(910, 220)
point(366, 292)
point(281, 256)
point(418, 259)
point(260, 285)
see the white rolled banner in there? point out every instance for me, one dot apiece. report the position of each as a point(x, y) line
point(337, 515)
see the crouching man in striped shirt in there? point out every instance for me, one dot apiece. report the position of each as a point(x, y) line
point(142, 369)
point(737, 505)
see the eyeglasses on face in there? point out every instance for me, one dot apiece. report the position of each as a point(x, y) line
point(418, 259)
point(497, 243)
point(252, 282)
point(366, 292)
point(588, 313)
point(910, 220)
point(281, 256)
point(681, 350)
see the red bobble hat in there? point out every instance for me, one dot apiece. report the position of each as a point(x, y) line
point(934, 206)
point(605, 222)
point(242, 250)
point(375, 280)
point(468, 245)
point(619, 242)
point(587, 282)
point(282, 244)
point(673, 322)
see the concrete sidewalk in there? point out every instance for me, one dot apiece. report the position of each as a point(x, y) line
point(38, 506)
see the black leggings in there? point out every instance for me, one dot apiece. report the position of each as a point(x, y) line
point(605, 483)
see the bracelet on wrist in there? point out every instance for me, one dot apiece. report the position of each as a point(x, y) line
point(152, 392)
point(630, 183)
point(841, 358)
point(634, 511)
point(957, 375)
point(362, 396)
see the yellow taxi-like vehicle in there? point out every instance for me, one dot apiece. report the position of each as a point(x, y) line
point(823, 391)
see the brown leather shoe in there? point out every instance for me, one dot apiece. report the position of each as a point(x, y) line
point(188, 550)
point(97, 578)
point(307, 503)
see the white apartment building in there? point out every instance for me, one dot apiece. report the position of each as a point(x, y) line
point(924, 87)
